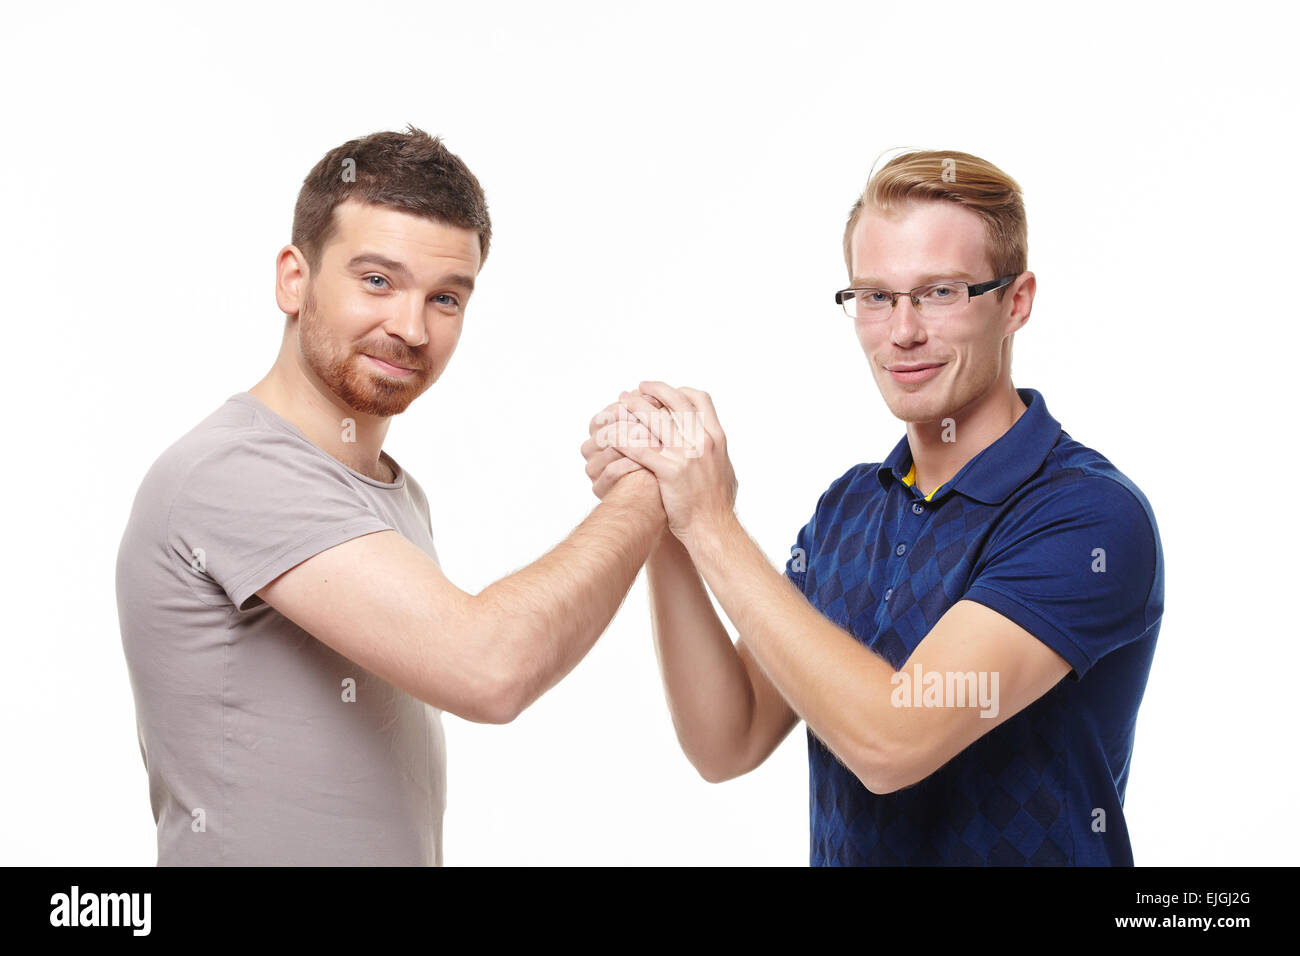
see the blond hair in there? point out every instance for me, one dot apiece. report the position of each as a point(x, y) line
point(950, 176)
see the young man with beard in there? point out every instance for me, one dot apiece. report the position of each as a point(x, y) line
point(290, 637)
point(966, 628)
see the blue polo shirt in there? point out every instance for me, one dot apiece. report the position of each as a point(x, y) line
point(1051, 535)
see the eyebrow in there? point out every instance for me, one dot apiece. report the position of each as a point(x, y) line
point(392, 265)
point(876, 282)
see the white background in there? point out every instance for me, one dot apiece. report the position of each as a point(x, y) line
point(668, 186)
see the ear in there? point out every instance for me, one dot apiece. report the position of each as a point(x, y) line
point(291, 275)
point(1021, 296)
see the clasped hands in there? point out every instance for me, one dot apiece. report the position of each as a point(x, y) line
point(674, 434)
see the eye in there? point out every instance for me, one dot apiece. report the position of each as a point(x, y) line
point(876, 296)
point(380, 278)
point(447, 300)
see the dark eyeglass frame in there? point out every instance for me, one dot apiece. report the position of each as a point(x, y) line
point(978, 288)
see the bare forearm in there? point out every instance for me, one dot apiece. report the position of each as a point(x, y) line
point(708, 690)
point(840, 689)
point(549, 614)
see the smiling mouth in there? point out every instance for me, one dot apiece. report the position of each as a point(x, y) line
point(915, 373)
point(391, 368)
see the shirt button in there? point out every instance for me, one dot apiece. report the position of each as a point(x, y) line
point(888, 591)
point(900, 549)
point(917, 508)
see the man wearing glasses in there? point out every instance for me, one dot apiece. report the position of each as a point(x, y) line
point(966, 627)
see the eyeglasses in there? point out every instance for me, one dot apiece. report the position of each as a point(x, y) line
point(937, 298)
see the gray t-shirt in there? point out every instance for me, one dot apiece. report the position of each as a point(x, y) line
point(262, 744)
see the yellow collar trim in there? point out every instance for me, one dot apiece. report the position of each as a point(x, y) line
point(911, 480)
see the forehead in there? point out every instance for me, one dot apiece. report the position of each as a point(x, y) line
point(401, 235)
point(918, 240)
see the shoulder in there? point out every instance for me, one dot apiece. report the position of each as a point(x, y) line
point(236, 456)
point(1078, 504)
point(416, 494)
point(1078, 478)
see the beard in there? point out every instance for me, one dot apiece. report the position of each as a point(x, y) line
point(349, 374)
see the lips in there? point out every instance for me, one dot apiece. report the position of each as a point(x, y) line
point(384, 364)
point(921, 372)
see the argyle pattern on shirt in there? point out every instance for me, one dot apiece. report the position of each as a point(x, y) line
point(885, 564)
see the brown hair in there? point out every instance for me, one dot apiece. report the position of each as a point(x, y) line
point(410, 171)
point(951, 176)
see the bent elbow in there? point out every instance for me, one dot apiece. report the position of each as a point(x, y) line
point(715, 769)
point(502, 700)
point(879, 785)
point(489, 697)
point(495, 693)
point(490, 708)
point(718, 759)
point(893, 775)
point(878, 771)
point(713, 774)
point(500, 711)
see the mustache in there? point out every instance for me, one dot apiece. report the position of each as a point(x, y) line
point(403, 361)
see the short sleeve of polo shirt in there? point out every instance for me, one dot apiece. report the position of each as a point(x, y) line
point(249, 510)
point(1075, 567)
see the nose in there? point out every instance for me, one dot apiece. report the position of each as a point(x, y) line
point(408, 323)
point(905, 322)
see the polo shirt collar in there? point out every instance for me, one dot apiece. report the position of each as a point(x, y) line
point(1000, 468)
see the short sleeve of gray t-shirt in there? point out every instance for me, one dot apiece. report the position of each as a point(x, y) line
point(263, 745)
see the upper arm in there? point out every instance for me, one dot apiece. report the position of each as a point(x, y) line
point(1069, 576)
point(771, 719)
point(991, 669)
point(265, 514)
point(382, 602)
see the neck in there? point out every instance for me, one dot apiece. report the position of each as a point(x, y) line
point(353, 437)
point(941, 448)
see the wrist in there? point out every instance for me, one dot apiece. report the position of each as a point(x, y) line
point(638, 490)
point(709, 535)
point(666, 543)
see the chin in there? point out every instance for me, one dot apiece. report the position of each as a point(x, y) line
point(913, 407)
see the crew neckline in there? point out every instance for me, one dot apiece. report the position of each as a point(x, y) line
point(399, 473)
